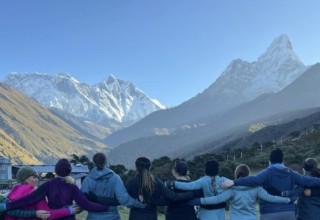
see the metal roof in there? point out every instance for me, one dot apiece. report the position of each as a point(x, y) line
point(50, 168)
point(4, 160)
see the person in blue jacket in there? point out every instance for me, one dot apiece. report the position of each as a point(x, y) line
point(242, 198)
point(275, 179)
point(103, 183)
point(210, 185)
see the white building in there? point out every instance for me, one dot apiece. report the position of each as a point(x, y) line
point(5, 169)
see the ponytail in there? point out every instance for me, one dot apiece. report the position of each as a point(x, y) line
point(146, 184)
point(146, 181)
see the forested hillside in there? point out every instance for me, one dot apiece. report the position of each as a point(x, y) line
point(296, 146)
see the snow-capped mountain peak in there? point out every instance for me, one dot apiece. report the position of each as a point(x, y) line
point(279, 50)
point(110, 100)
point(243, 81)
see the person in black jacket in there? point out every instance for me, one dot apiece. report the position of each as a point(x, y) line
point(180, 210)
point(308, 205)
point(148, 189)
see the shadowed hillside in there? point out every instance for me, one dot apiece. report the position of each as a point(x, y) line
point(28, 129)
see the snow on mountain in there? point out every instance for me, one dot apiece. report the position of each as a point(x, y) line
point(240, 82)
point(113, 99)
point(276, 68)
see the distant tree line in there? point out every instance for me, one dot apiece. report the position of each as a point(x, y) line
point(297, 146)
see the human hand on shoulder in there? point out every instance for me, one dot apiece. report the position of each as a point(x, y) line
point(170, 184)
point(227, 184)
point(284, 193)
point(307, 192)
point(69, 180)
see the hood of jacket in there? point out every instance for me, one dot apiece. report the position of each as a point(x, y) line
point(279, 170)
point(20, 191)
point(105, 173)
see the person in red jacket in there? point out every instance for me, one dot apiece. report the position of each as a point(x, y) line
point(58, 192)
point(28, 180)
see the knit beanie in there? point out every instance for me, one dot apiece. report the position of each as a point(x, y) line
point(24, 173)
point(276, 156)
point(212, 168)
point(63, 168)
point(309, 164)
point(142, 163)
point(181, 167)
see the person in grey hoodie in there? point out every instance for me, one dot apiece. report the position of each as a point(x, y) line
point(102, 183)
point(242, 198)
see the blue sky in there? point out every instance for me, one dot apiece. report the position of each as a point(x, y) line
point(170, 49)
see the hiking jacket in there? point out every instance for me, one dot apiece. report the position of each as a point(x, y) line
point(105, 183)
point(276, 179)
point(243, 201)
point(60, 194)
point(307, 206)
point(19, 213)
point(180, 210)
point(22, 190)
point(209, 188)
point(160, 191)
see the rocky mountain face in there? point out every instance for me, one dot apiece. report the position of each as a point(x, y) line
point(30, 134)
point(241, 82)
point(275, 89)
point(112, 101)
point(228, 108)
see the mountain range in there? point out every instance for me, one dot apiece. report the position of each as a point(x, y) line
point(245, 94)
point(110, 102)
point(31, 134)
point(248, 96)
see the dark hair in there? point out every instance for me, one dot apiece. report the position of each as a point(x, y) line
point(99, 159)
point(310, 165)
point(146, 180)
point(181, 167)
point(211, 168)
point(63, 167)
point(276, 156)
point(242, 170)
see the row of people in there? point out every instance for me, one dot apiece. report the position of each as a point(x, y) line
point(58, 192)
point(266, 187)
point(145, 192)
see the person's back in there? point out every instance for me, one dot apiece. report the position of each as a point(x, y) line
point(59, 193)
point(147, 188)
point(17, 192)
point(104, 183)
point(278, 178)
point(242, 199)
point(210, 185)
point(28, 181)
point(180, 210)
point(275, 179)
point(308, 206)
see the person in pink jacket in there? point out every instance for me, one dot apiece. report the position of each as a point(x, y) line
point(28, 180)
